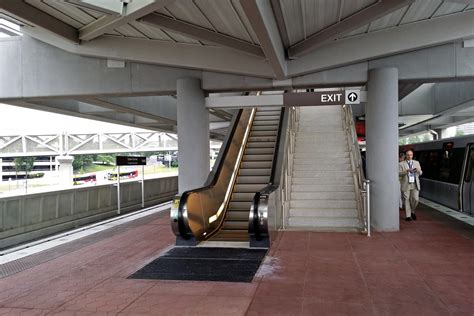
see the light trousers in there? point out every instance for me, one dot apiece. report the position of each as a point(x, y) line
point(411, 197)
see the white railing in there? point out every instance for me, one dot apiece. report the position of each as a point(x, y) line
point(362, 185)
point(287, 168)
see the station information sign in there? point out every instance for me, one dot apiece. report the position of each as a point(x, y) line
point(130, 161)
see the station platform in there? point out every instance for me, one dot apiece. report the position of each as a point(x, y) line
point(427, 268)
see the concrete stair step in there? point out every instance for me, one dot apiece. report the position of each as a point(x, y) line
point(323, 212)
point(321, 174)
point(322, 188)
point(322, 204)
point(323, 222)
point(324, 138)
point(322, 161)
point(322, 181)
point(317, 155)
point(259, 151)
point(257, 158)
point(321, 149)
point(341, 196)
point(323, 167)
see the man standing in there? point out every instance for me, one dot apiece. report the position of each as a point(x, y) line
point(410, 171)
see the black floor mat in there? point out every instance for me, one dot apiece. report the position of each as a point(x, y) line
point(204, 264)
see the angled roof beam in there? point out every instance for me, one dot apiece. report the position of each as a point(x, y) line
point(123, 109)
point(105, 6)
point(262, 19)
point(200, 33)
point(393, 41)
point(34, 17)
point(351, 23)
point(131, 11)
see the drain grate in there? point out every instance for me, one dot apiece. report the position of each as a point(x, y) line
point(204, 264)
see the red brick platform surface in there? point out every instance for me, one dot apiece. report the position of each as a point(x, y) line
point(425, 269)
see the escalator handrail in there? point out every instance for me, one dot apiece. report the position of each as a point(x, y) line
point(183, 226)
point(255, 227)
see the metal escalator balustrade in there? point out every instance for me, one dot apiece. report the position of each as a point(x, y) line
point(196, 214)
point(221, 211)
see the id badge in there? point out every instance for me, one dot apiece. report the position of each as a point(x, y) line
point(411, 178)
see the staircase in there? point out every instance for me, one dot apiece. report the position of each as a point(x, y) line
point(254, 174)
point(322, 188)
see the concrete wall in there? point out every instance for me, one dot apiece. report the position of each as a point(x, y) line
point(32, 216)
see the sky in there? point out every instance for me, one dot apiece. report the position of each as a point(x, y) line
point(17, 120)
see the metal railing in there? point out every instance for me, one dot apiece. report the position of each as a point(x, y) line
point(362, 185)
point(287, 168)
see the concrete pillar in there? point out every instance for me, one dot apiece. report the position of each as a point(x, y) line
point(193, 135)
point(1, 170)
point(65, 170)
point(382, 147)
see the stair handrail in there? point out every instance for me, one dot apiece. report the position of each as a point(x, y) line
point(362, 185)
point(287, 167)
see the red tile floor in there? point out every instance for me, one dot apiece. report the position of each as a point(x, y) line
point(425, 269)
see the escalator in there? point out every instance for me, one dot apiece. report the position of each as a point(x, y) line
point(227, 207)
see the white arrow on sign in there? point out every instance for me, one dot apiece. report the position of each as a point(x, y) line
point(352, 96)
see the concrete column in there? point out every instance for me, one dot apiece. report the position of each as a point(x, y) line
point(193, 135)
point(65, 170)
point(382, 147)
point(1, 170)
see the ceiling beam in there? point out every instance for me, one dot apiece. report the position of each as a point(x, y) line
point(32, 16)
point(131, 12)
point(213, 58)
point(262, 20)
point(52, 109)
point(396, 40)
point(349, 24)
point(200, 33)
point(123, 109)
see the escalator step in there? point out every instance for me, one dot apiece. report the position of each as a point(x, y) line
point(259, 151)
point(250, 187)
point(237, 216)
point(257, 158)
point(255, 164)
point(266, 117)
point(255, 172)
point(260, 145)
point(239, 206)
point(236, 225)
point(263, 132)
point(242, 196)
point(262, 139)
point(266, 123)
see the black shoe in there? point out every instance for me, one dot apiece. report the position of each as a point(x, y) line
point(413, 216)
point(408, 219)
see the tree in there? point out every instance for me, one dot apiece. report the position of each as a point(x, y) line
point(25, 164)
